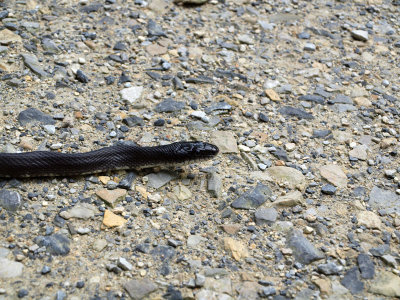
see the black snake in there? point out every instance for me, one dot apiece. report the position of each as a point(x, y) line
point(46, 163)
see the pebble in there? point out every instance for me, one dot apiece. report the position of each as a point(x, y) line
point(112, 220)
point(366, 266)
point(33, 64)
point(360, 35)
point(237, 249)
point(386, 284)
point(214, 185)
point(290, 177)
point(140, 288)
point(10, 200)
point(225, 141)
point(303, 250)
point(131, 94)
point(157, 180)
point(334, 174)
point(56, 244)
point(34, 115)
point(253, 198)
point(10, 269)
point(369, 219)
point(111, 197)
point(265, 216)
point(328, 189)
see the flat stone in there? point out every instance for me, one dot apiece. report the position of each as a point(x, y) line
point(225, 140)
point(194, 240)
point(231, 228)
point(271, 94)
point(289, 200)
point(369, 219)
point(295, 112)
point(8, 37)
point(156, 50)
point(220, 284)
point(328, 189)
point(329, 268)
point(265, 216)
point(245, 39)
point(33, 64)
point(290, 177)
point(253, 198)
point(237, 249)
point(359, 152)
point(303, 250)
point(169, 105)
point(360, 35)
point(340, 98)
point(181, 192)
point(99, 244)
point(138, 289)
point(214, 185)
point(81, 211)
point(157, 180)
point(362, 101)
point(34, 115)
point(10, 200)
point(124, 264)
point(131, 94)
point(324, 285)
point(334, 174)
point(384, 199)
point(386, 284)
point(351, 281)
point(112, 220)
point(111, 197)
point(56, 244)
point(10, 269)
point(366, 266)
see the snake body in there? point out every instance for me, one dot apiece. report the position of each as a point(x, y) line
point(47, 163)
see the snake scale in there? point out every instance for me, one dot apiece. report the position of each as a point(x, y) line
point(47, 163)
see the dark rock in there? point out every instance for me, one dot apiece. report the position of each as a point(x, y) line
point(133, 121)
point(169, 105)
point(366, 266)
point(313, 98)
point(10, 200)
point(304, 35)
point(380, 250)
point(200, 80)
point(109, 79)
point(351, 281)
point(178, 85)
point(60, 295)
point(3, 14)
point(267, 291)
point(124, 78)
point(328, 189)
point(22, 293)
point(154, 75)
point(126, 182)
point(143, 248)
point(154, 30)
point(34, 115)
point(33, 64)
point(280, 154)
point(303, 250)
point(159, 122)
point(45, 270)
point(81, 77)
point(163, 253)
point(92, 7)
point(253, 198)
point(56, 244)
point(295, 112)
point(321, 133)
point(263, 117)
point(119, 46)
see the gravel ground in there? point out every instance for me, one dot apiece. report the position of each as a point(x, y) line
point(302, 98)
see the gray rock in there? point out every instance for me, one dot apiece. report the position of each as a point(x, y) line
point(126, 182)
point(309, 47)
point(295, 112)
point(200, 280)
point(214, 185)
point(157, 180)
point(340, 98)
point(153, 29)
point(218, 108)
point(328, 189)
point(139, 289)
point(124, 264)
point(49, 46)
point(322, 133)
point(56, 244)
point(380, 250)
point(33, 64)
point(50, 129)
point(169, 105)
point(313, 98)
point(34, 115)
point(329, 268)
point(265, 216)
point(303, 250)
point(253, 198)
point(384, 199)
point(10, 200)
point(351, 281)
point(267, 291)
point(366, 266)
point(60, 295)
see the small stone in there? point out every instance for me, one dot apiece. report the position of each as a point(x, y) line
point(140, 288)
point(289, 200)
point(99, 244)
point(112, 220)
point(290, 177)
point(10, 269)
point(369, 220)
point(265, 216)
point(360, 35)
point(334, 174)
point(81, 77)
point(351, 281)
point(56, 244)
point(324, 285)
point(45, 270)
point(231, 228)
point(237, 249)
point(33, 115)
point(157, 180)
point(8, 37)
point(359, 152)
point(50, 129)
point(131, 94)
point(225, 141)
point(111, 197)
point(214, 185)
point(309, 47)
point(328, 189)
point(33, 64)
point(253, 198)
point(303, 250)
point(10, 200)
point(271, 94)
point(366, 266)
point(194, 240)
point(182, 193)
point(295, 112)
point(124, 264)
point(329, 269)
point(169, 105)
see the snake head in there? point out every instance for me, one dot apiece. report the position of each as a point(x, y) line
point(196, 150)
